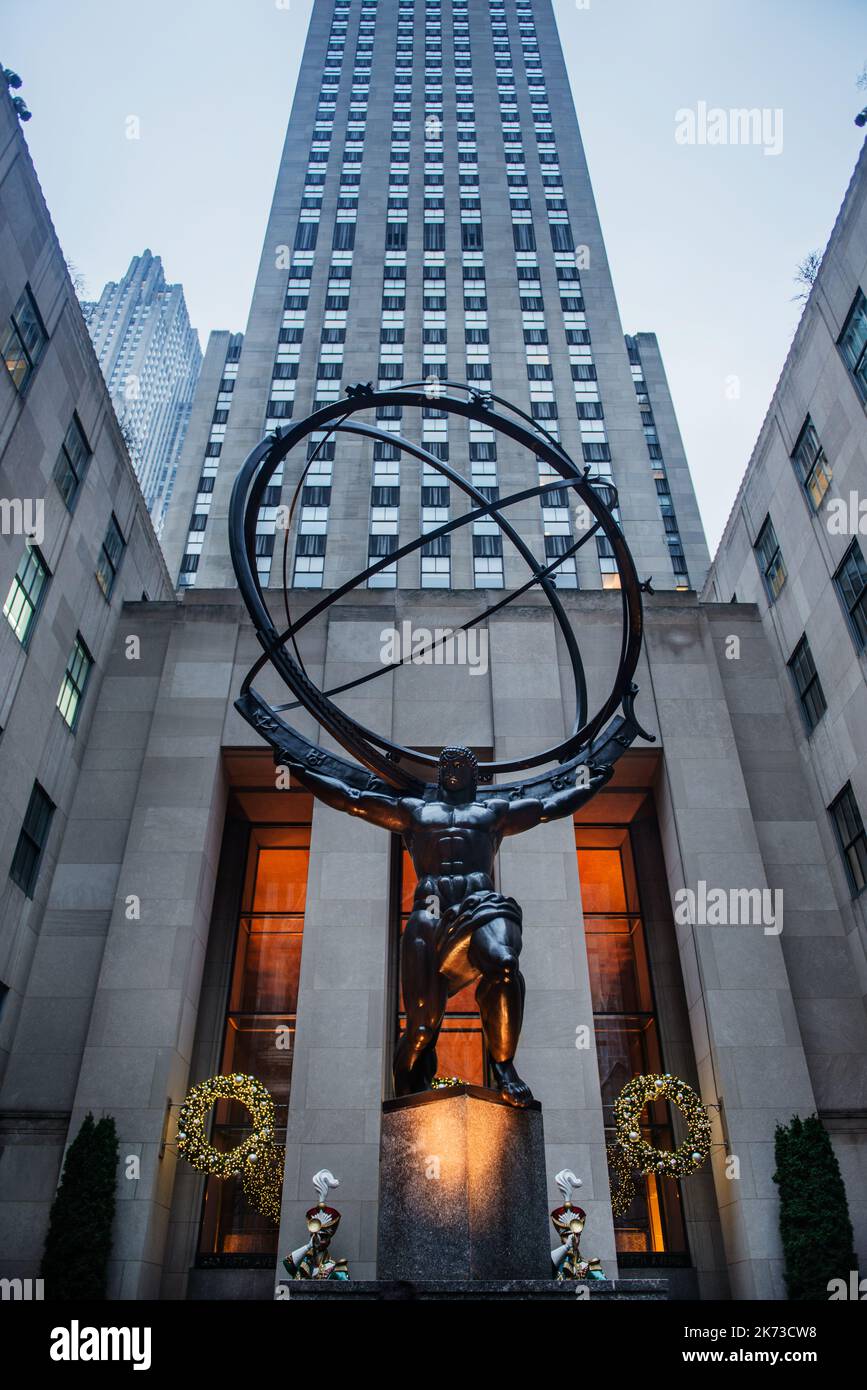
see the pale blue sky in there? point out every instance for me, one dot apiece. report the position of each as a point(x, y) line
point(703, 241)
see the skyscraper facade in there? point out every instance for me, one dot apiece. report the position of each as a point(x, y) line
point(433, 221)
point(150, 358)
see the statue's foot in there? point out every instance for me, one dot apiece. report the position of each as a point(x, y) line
point(410, 1083)
point(416, 1076)
point(509, 1084)
point(426, 1068)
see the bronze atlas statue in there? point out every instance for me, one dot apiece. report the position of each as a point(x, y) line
point(461, 929)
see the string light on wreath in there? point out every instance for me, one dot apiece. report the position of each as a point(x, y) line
point(257, 1160)
point(262, 1180)
point(620, 1168)
point(630, 1152)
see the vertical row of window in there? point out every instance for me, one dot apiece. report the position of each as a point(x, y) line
point(814, 473)
point(24, 602)
point(210, 465)
point(657, 463)
point(312, 526)
point(281, 401)
point(488, 570)
point(384, 514)
point(435, 561)
point(24, 343)
point(435, 565)
point(309, 566)
point(850, 580)
point(556, 522)
point(487, 544)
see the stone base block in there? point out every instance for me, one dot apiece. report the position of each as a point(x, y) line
point(462, 1189)
point(477, 1291)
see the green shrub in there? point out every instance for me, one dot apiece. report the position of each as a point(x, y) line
point(78, 1244)
point(814, 1214)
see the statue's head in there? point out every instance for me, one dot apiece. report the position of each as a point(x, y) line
point(458, 771)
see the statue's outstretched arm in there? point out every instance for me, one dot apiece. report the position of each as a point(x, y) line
point(390, 812)
point(524, 814)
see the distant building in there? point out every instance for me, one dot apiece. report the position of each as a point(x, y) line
point(151, 359)
point(184, 533)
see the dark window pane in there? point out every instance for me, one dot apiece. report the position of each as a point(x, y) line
point(770, 559)
point(853, 343)
point(851, 838)
point(110, 557)
point(71, 462)
point(26, 593)
point(74, 681)
point(851, 581)
point(32, 840)
point(25, 340)
point(811, 465)
point(807, 684)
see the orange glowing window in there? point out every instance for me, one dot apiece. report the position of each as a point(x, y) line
point(603, 888)
point(625, 1024)
point(281, 878)
point(259, 1037)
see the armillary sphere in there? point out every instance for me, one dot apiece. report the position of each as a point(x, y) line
point(595, 740)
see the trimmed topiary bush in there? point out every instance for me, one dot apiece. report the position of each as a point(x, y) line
point(814, 1214)
point(78, 1244)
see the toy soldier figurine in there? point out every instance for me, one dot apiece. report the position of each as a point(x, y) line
point(313, 1260)
point(569, 1223)
point(461, 929)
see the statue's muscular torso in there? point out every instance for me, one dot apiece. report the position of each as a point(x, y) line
point(447, 841)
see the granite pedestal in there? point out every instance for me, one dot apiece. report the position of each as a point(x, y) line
point(462, 1189)
point(476, 1291)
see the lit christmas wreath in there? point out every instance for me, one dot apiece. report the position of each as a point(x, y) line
point(619, 1167)
point(262, 1179)
point(257, 1159)
point(641, 1155)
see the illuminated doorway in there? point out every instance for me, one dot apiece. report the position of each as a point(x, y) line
point(260, 1019)
point(626, 1026)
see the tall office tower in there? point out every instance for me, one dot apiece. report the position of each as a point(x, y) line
point(433, 219)
point(186, 520)
point(150, 358)
point(198, 917)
